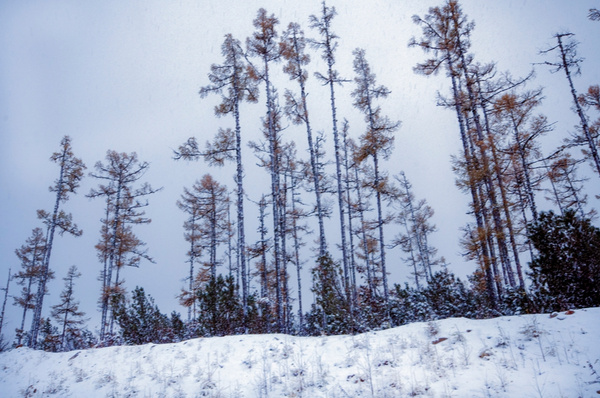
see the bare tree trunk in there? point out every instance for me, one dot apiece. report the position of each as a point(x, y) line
point(284, 255)
point(229, 247)
point(192, 308)
point(500, 182)
point(105, 282)
point(525, 168)
point(363, 232)
point(328, 45)
point(380, 228)
point(485, 232)
point(111, 265)
point(493, 276)
point(554, 191)
point(375, 143)
point(25, 308)
point(294, 45)
point(275, 197)
point(522, 202)
point(414, 231)
point(484, 159)
point(340, 192)
point(65, 319)
point(297, 252)
point(316, 177)
point(264, 286)
point(411, 252)
point(584, 125)
point(510, 228)
point(477, 208)
point(347, 188)
point(241, 246)
point(31, 274)
point(4, 302)
point(37, 314)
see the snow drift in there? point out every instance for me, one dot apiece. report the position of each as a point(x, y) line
point(554, 355)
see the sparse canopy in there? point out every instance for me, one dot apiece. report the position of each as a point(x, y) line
point(292, 48)
point(70, 175)
point(31, 255)
point(231, 77)
point(376, 142)
point(67, 312)
point(263, 43)
point(125, 200)
point(569, 62)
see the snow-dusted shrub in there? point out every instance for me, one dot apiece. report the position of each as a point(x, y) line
point(566, 269)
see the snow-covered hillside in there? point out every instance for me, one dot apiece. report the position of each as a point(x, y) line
point(521, 356)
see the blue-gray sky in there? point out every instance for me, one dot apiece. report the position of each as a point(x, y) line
point(125, 76)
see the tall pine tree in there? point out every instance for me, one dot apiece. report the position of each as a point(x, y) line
point(69, 178)
point(125, 201)
point(376, 143)
point(233, 81)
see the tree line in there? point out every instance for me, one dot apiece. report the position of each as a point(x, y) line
point(239, 283)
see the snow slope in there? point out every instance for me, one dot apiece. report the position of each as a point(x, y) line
point(519, 356)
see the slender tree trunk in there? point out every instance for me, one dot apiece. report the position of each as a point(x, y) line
point(485, 253)
point(25, 308)
point(496, 219)
point(328, 46)
point(510, 228)
point(554, 191)
point(363, 223)
point(500, 182)
point(111, 265)
point(37, 315)
point(584, 124)
point(484, 158)
point(297, 254)
point(575, 197)
point(524, 215)
point(380, 228)
point(192, 308)
point(116, 287)
point(229, 236)
point(414, 231)
point(105, 282)
point(525, 168)
point(427, 250)
point(213, 234)
point(495, 284)
point(275, 195)
point(284, 255)
point(4, 302)
point(264, 274)
point(494, 274)
point(413, 260)
point(338, 174)
point(28, 292)
point(241, 247)
point(315, 170)
point(376, 182)
point(67, 305)
point(352, 258)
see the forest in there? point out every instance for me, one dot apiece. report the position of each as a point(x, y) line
point(333, 221)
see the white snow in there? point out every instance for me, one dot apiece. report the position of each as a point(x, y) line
point(518, 356)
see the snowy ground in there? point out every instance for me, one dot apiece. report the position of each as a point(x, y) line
point(521, 356)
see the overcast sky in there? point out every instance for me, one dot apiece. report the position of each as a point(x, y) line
point(125, 75)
